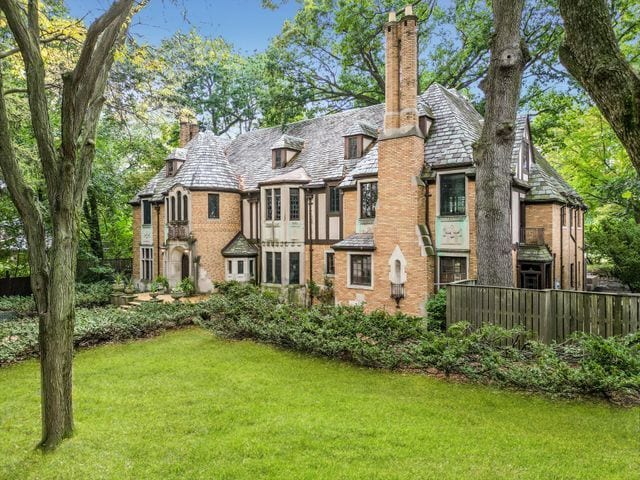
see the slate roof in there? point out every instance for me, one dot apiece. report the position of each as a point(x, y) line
point(548, 186)
point(242, 164)
point(239, 246)
point(287, 141)
point(534, 253)
point(357, 241)
point(298, 175)
point(362, 128)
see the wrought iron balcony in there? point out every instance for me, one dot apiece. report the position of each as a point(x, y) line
point(397, 292)
point(532, 236)
point(178, 230)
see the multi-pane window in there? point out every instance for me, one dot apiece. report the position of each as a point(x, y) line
point(563, 216)
point(269, 197)
point(273, 272)
point(360, 270)
point(230, 267)
point(452, 194)
point(352, 147)
point(334, 200)
point(173, 209)
point(277, 204)
point(214, 205)
point(330, 265)
point(179, 203)
point(170, 168)
point(294, 268)
point(294, 204)
point(146, 263)
point(240, 267)
point(368, 199)
point(278, 158)
point(453, 269)
point(251, 268)
point(146, 212)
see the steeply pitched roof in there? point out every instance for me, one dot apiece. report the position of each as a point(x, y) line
point(239, 246)
point(547, 185)
point(215, 163)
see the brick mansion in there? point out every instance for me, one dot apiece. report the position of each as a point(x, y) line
point(380, 199)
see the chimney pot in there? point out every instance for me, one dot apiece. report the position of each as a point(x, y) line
point(408, 10)
point(392, 16)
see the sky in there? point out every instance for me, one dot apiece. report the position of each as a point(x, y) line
point(242, 22)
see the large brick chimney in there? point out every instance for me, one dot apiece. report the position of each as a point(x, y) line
point(399, 257)
point(189, 128)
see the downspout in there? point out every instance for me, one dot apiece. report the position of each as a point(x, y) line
point(158, 238)
point(562, 245)
point(426, 220)
point(309, 198)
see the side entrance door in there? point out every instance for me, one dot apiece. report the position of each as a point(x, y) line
point(185, 266)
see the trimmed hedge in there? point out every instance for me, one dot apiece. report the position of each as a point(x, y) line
point(19, 338)
point(587, 365)
point(87, 295)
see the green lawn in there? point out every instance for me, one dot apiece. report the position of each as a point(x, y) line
point(188, 405)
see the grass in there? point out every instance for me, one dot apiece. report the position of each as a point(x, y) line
point(188, 405)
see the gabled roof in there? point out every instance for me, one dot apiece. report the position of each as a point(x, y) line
point(239, 246)
point(242, 164)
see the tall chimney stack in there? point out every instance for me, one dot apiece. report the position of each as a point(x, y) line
point(408, 68)
point(392, 74)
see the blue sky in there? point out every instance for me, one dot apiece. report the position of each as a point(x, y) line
point(242, 22)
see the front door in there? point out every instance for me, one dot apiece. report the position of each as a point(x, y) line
point(530, 279)
point(185, 266)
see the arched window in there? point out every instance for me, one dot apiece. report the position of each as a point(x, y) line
point(166, 210)
point(185, 209)
point(179, 206)
point(173, 209)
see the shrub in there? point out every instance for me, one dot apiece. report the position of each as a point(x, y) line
point(436, 308)
point(87, 295)
point(187, 286)
point(587, 365)
point(19, 338)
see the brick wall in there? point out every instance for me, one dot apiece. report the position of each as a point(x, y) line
point(349, 212)
point(212, 235)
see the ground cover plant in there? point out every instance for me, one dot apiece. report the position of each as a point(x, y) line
point(191, 405)
point(586, 365)
point(87, 295)
point(19, 337)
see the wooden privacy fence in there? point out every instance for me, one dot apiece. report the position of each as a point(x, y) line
point(549, 314)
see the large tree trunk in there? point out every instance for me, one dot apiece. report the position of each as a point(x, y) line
point(56, 335)
point(592, 56)
point(492, 152)
point(66, 169)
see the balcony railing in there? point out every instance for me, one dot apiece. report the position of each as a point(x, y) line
point(532, 236)
point(178, 230)
point(397, 292)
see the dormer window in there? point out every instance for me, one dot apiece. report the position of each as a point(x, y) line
point(358, 139)
point(284, 150)
point(279, 157)
point(353, 146)
point(175, 160)
point(171, 168)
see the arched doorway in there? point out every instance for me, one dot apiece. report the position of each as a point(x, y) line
point(185, 266)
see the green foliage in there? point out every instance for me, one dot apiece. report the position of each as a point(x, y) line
point(436, 308)
point(587, 365)
point(163, 281)
point(87, 295)
point(187, 286)
point(19, 338)
point(619, 241)
point(160, 408)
